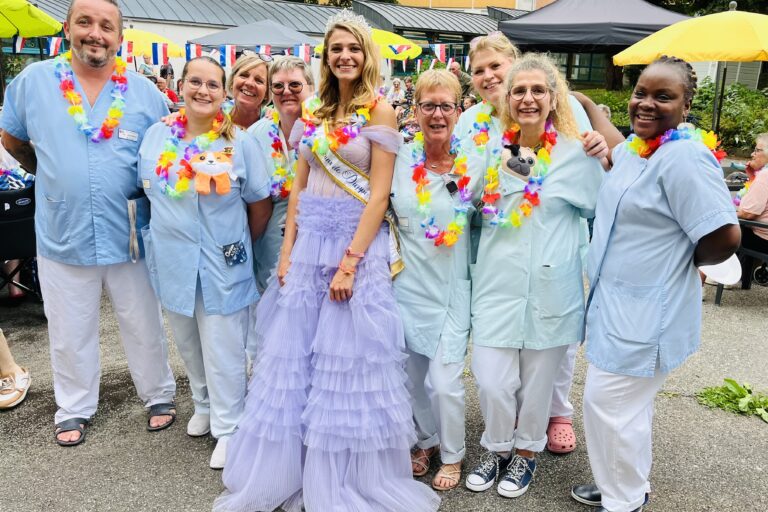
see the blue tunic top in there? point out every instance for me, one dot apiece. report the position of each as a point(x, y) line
point(187, 237)
point(527, 284)
point(266, 248)
point(82, 188)
point(433, 291)
point(645, 300)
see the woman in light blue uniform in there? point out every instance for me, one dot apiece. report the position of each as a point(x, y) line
point(209, 193)
point(527, 287)
point(663, 209)
point(291, 82)
point(433, 290)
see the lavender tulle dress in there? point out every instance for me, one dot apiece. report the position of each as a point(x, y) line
point(328, 419)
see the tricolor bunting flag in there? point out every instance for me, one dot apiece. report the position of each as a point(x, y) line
point(432, 64)
point(159, 53)
point(193, 51)
point(54, 46)
point(227, 55)
point(302, 51)
point(405, 64)
point(439, 50)
point(418, 66)
point(398, 49)
point(126, 51)
point(18, 44)
point(264, 49)
point(466, 63)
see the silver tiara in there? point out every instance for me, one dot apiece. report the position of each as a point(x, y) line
point(348, 16)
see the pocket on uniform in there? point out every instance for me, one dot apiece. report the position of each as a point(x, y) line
point(238, 268)
point(559, 289)
point(56, 220)
point(632, 316)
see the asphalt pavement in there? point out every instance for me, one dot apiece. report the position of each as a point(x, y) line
point(704, 460)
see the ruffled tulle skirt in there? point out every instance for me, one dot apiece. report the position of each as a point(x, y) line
point(328, 418)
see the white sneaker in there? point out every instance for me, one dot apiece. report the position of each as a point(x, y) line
point(219, 456)
point(13, 388)
point(199, 425)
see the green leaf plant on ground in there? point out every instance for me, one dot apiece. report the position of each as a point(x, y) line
point(736, 398)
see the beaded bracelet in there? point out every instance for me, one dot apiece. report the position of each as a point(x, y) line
point(350, 252)
point(346, 270)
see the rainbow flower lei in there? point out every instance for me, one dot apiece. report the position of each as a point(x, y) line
point(455, 228)
point(482, 126)
point(171, 151)
point(67, 85)
point(340, 135)
point(646, 148)
point(535, 181)
point(743, 191)
point(282, 178)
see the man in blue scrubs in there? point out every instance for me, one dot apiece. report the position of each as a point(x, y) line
point(88, 208)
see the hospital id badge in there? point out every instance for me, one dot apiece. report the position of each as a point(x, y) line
point(234, 254)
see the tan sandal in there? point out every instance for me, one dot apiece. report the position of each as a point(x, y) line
point(420, 460)
point(450, 472)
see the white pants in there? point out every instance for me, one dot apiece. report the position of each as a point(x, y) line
point(515, 386)
point(561, 403)
point(72, 295)
point(618, 422)
point(437, 398)
point(213, 350)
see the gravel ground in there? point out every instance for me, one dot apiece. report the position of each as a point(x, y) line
point(705, 460)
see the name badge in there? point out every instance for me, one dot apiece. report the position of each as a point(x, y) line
point(122, 133)
point(146, 183)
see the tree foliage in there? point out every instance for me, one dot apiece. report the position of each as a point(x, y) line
point(701, 7)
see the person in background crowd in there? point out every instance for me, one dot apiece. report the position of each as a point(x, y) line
point(166, 71)
point(663, 210)
point(396, 95)
point(162, 85)
point(198, 213)
point(468, 102)
point(752, 204)
point(328, 419)
point(433, 290)
point(464, 79)
point(409, 91)
point(86, 220)
point(146, 68)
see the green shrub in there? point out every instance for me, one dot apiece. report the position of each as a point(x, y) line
point(616, 100)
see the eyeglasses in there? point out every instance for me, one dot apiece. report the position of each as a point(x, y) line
point(538, 92)
point(278, 88)
point(429, 108)
point(265, 57)
point(196, 83)
point(473, 42)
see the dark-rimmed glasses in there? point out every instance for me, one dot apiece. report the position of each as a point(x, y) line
point(278, 88)
point(537, 92)
point(429, 108)
point(196, 83)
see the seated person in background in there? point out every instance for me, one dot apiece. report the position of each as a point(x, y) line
point(162, 84)
point(752, 204)
point(145, 68)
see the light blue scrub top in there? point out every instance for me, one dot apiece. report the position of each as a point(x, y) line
point(433, 290)
point(527, 284)
point(266, 248)
point(645, 307)
point(186, 237)
point(82, 188)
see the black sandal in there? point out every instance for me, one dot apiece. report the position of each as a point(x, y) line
point(161, 410)
point(71, 425)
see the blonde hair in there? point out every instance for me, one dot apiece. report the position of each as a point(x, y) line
point(365, 88)
point(227, 129)
point(434, 78)
point(247, 63)
point(561, 113)
point(496, 42)
point(290, 63)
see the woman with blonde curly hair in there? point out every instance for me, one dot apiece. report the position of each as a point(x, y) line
point(527, 302)
point(328, 419)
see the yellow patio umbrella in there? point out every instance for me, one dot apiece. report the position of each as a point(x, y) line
point(392, 46)
point(20, 18)
point(734, 36)
point(143, 39)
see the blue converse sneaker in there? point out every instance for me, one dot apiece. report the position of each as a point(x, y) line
point(518, 477)
point(486, 472)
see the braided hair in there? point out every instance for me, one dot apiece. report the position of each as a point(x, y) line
point(689, 75)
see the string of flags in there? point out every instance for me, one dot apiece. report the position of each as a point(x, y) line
point(159, 53)
point(193, 51)
point(18, 44)
point(227, 55)
point(126, 51)
point(264, 49)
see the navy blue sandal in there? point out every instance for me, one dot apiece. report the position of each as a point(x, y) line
point(161, 410)
point(71, 425)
